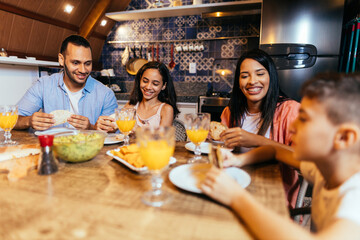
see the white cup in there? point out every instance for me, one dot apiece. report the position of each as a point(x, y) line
point(197, 2)
point(111, 72)
point(185, 48)
point(191, 47)
point(178, 48)
point(201, 47)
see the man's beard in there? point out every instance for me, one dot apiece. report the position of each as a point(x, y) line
point(68, 74)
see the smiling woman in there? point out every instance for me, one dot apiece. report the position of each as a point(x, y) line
point(259, 113)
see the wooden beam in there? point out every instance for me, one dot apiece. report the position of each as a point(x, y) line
point(34, 16)
point(96, 13)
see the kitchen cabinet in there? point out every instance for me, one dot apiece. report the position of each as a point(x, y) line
point(247, 7)
point(17, 75)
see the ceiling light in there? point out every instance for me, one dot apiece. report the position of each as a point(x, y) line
point(223, 72)
point(103, 22)
point(68, 8)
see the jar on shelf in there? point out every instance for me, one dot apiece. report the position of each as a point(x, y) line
point(3, 53)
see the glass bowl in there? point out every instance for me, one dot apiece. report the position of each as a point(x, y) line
point(79, 146)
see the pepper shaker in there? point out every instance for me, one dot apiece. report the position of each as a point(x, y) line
point(48, 162)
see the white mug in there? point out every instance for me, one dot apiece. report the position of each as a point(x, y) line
point(178, 48)
point(185, 48)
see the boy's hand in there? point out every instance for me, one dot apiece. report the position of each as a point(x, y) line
point(231, 160)
point(220, 186)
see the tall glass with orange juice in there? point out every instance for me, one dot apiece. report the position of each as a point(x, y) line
point(125, 120)
point(8, 119)
point(197, 129)
point(156, 146)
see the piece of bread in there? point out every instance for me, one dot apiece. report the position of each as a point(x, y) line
point(216, 128)
point(215, 156)
point(17, 160)
point(60, 116)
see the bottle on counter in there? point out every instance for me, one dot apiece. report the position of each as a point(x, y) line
point(3, 53)
point(48, 162)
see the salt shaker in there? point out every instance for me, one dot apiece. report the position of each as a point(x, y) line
point(48, 163)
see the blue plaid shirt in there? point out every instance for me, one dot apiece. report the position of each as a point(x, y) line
point(48, 93)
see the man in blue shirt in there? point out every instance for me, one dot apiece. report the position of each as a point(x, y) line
point(71, 89)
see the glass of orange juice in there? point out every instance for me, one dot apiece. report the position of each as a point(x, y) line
point(156, 146)
point(125, 120)
point(8, 119)
point(197, 129)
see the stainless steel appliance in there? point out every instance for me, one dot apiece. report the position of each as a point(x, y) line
point(303, 37)
point(213, 105)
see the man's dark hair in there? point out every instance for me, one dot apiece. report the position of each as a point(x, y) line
point(339, 94)
point(76, 40)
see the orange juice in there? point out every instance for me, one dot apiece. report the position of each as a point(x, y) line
point(126, 125)
point(197, 136)
point(8, 120)
point(156, 154)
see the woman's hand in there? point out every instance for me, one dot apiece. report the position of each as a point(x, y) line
point(231, 160)
point(237, 137)
point(221, 186)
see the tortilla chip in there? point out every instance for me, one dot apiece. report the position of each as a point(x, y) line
point(61, 116)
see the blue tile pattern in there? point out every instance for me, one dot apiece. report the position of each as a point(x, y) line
point(187, 28)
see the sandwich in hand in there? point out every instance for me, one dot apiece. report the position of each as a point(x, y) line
point(216, 128)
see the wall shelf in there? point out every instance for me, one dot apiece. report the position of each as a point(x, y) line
point(182, 40)
point(246, 7)
point(27, 62)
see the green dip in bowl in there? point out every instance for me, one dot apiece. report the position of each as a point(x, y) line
point(79, 146)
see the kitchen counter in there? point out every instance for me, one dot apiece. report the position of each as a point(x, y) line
point(100, 199)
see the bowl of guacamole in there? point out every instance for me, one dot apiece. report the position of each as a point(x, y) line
point(79, 146)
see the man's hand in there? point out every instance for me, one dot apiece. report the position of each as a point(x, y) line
point(79, 122)
point(41, 121)
point(105, 123)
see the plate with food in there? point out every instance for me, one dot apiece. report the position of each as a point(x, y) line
point(130, 157)
point(113, 138)
point(189, 177)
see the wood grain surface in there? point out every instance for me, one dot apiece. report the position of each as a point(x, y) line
point(100, 199)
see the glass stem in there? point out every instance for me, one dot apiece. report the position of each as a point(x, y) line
point(126, 140)
point(197, 150)
point(156, 183)
point(7, 136)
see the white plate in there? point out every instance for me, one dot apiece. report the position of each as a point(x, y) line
point(111, 139)
point(190, 176)
point(55, 130)
point(139, 170)
point(204, 147)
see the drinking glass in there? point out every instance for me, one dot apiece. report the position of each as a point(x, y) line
point(156, 146)
point(8, 119)
point(197, 129)
point(125, 120)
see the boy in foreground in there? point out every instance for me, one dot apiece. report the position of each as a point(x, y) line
point(326, 143)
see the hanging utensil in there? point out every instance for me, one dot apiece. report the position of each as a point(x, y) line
point(172, 63)
point(152, 53)
point(125, 56)
point(157, 53)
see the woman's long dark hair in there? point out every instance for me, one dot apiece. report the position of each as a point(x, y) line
point(168, 95)
point(238, 103)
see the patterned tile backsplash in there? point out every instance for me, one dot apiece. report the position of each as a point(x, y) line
point(195, 32)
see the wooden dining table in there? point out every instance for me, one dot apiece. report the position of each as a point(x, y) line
point(101, 199)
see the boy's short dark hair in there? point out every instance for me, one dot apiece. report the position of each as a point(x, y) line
point(76, 40)
point(339, 93)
